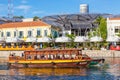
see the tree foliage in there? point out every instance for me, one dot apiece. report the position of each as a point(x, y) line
point(35, 18)
point(102, 27)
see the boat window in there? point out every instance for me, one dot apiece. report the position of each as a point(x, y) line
point(3, 45)
point(29, 57)
point(9, 45)
point(15, 45)
point(73, 56)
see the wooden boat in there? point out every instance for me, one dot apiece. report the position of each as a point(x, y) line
point(49, 58)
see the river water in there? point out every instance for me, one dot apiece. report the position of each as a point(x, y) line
point(110, 70)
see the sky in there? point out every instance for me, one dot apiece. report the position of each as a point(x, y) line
point(41, 8)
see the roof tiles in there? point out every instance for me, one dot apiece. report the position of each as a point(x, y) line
point(23, 24)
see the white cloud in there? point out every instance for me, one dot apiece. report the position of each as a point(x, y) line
point(38, 12)
point(25, 8)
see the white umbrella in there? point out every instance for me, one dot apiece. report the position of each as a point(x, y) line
point(2, 40)
point(113, 39)
point(13, 40)
point(81, 39)
point(62, 39)
point(96, 39)
point(31, 39)
point(44, 39)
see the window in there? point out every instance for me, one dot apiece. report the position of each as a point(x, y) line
point(20, 34)
point(8, 34)
point(117, 30)
point(45, 32)
point(29, 33)
point(2, 34)
point(38, 32)
point(15, 34)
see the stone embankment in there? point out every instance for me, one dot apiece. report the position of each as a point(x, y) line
point(102, 53)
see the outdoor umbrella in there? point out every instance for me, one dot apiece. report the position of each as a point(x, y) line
point(81, 39)
point(96, 39)
point(2, 40)
point(13, 40)
point(44, 39)
point(113, 39)
point(31, 39)
point(63, 40)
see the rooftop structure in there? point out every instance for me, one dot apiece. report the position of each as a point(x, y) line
point(84, 8)
point(8, 20)
point(27, 19)
point(78, 24)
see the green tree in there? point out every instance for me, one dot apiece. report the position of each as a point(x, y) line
point(35, 18)
point(102, 27)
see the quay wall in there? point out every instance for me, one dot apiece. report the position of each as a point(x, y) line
point(102, 53)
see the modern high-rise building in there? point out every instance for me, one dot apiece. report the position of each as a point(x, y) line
point(84, 8)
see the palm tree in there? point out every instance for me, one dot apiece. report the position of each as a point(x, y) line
point(102, 27)
point(72, 37)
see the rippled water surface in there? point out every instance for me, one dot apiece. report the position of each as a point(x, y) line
point(110, 70)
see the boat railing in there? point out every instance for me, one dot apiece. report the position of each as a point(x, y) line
point(16, 48)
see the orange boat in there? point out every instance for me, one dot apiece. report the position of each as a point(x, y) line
point(49, 58)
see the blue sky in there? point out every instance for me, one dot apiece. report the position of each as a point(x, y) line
point(41, 8)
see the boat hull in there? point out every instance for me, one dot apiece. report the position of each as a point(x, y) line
point(48, 65)
point(96, 61)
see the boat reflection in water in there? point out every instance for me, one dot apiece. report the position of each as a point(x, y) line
point(48, 71)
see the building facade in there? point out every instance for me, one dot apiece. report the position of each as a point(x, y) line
point(113, 27)
point(28, 29)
